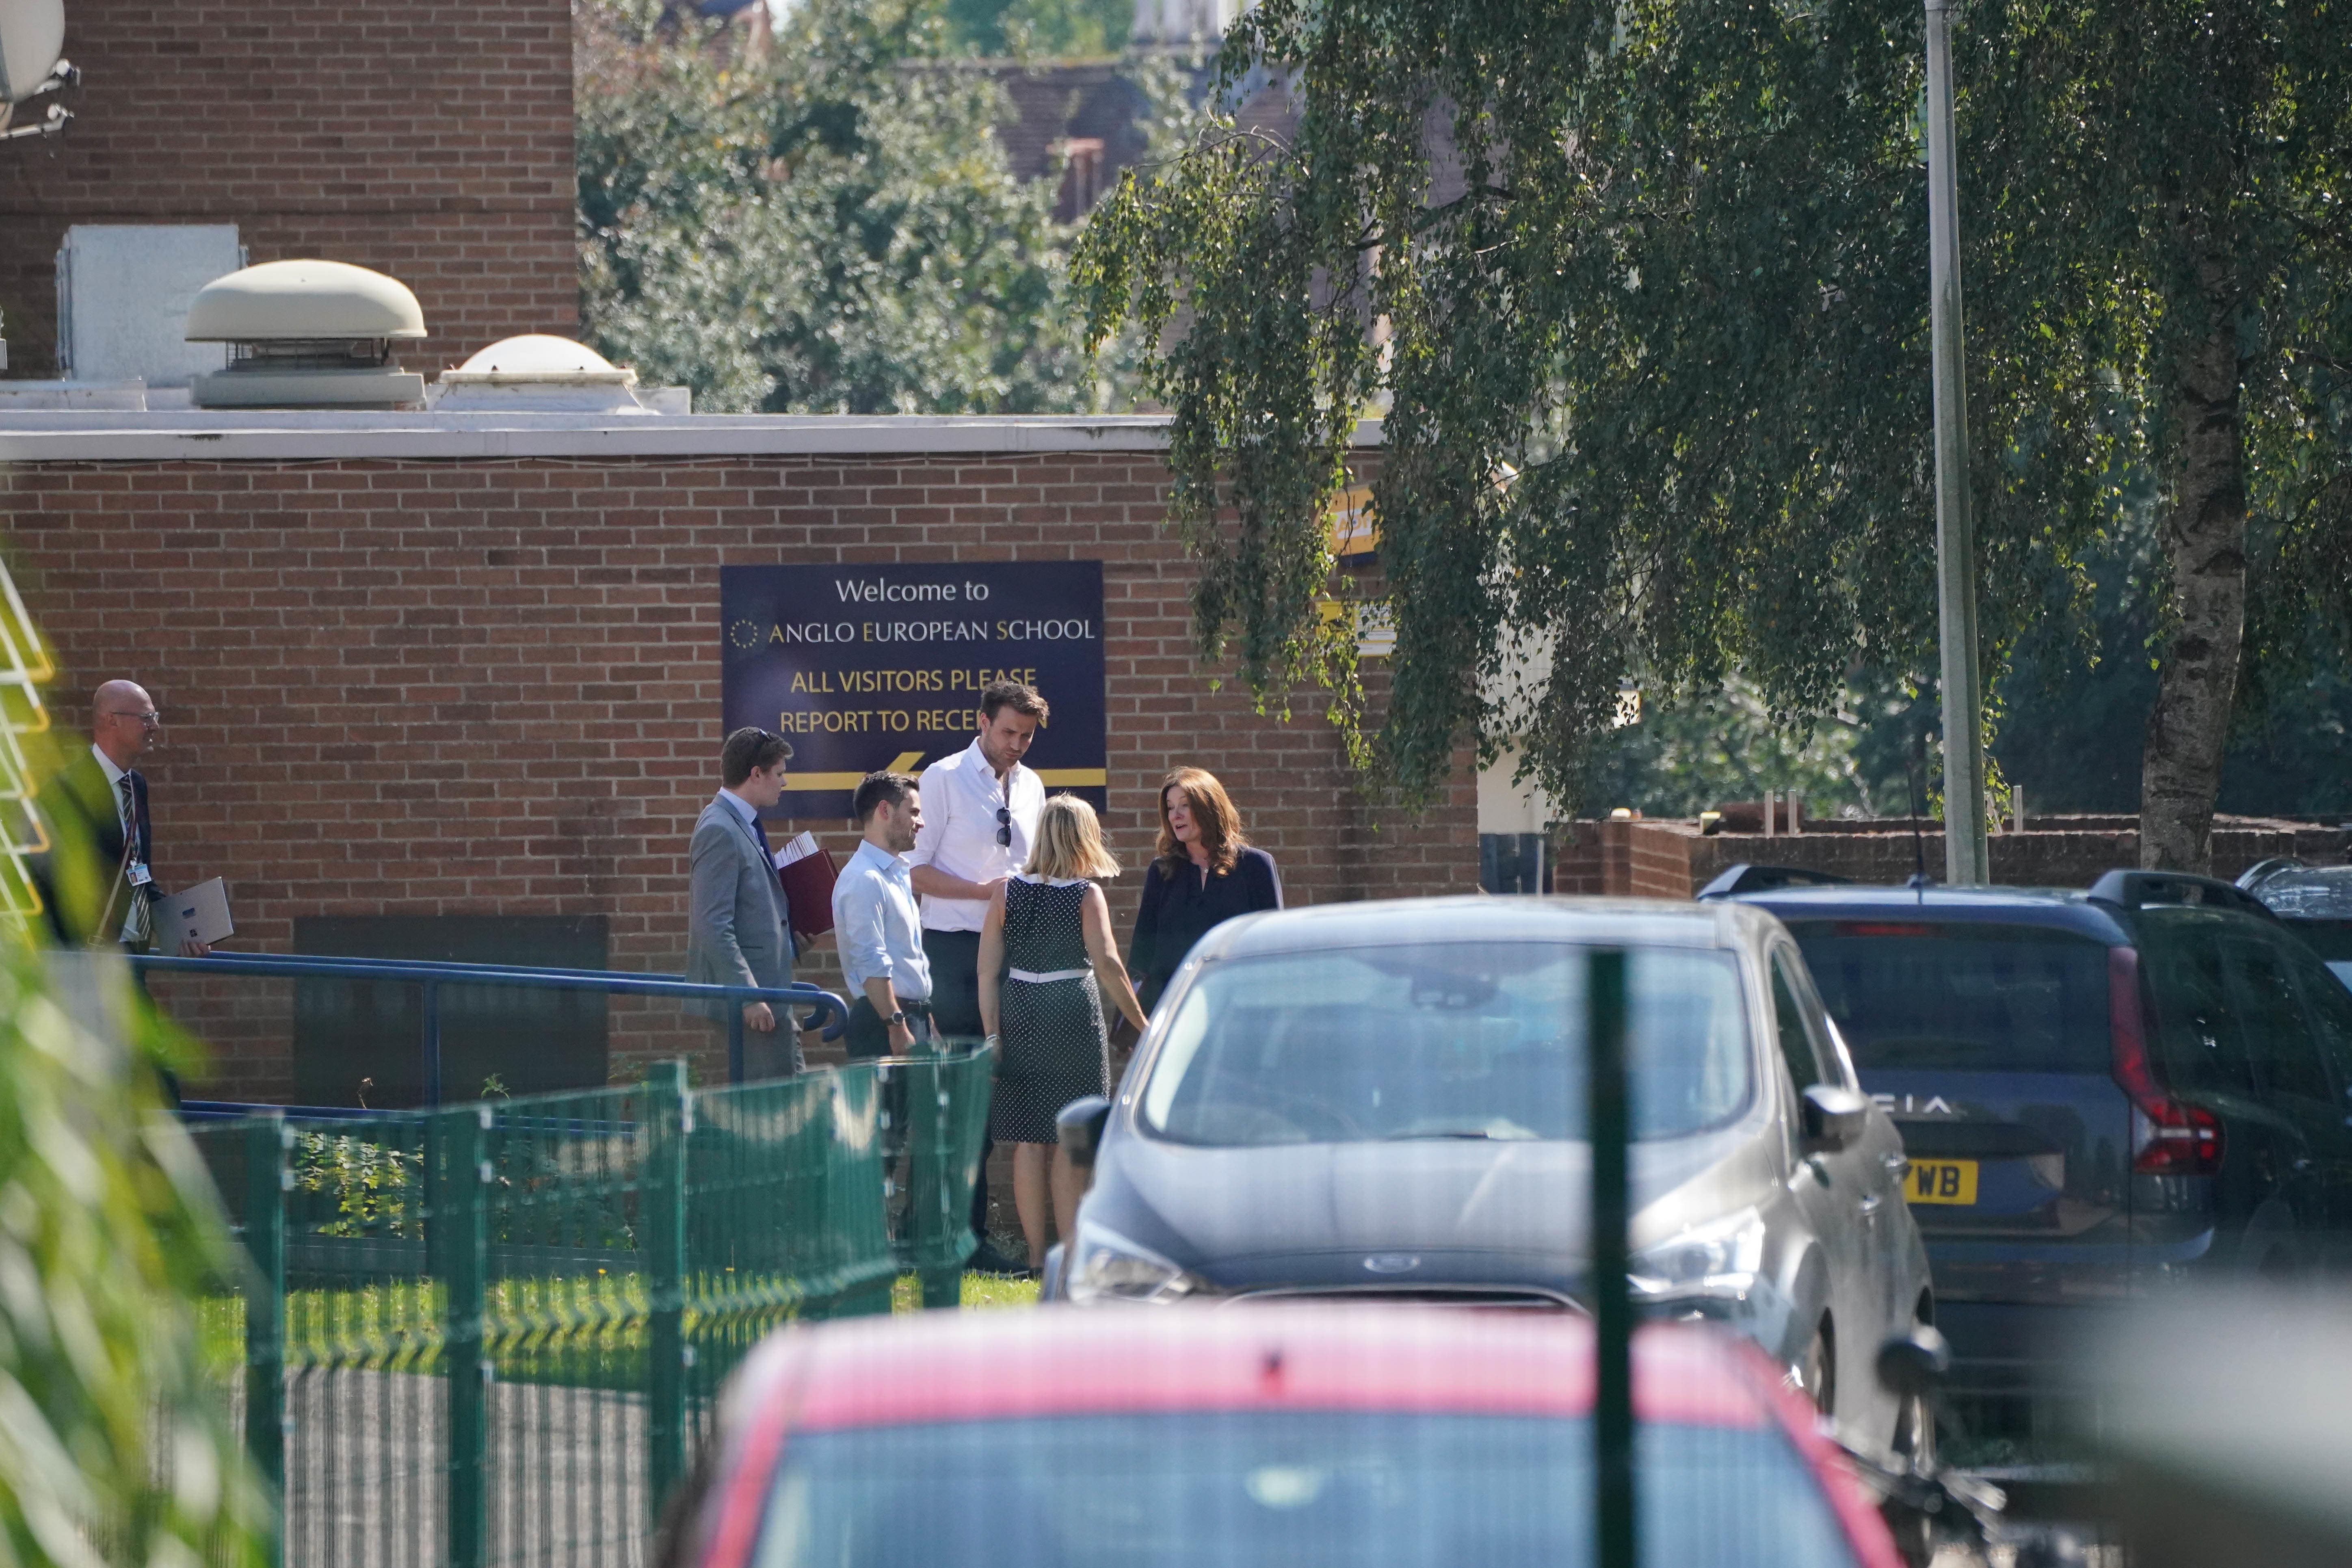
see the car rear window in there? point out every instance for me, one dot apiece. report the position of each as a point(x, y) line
point(2230, 1017)
point(1969, 997)
point(1245, 1489)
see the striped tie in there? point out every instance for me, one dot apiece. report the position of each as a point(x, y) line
point(135, 919)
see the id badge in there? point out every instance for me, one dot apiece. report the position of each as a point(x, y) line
point(139, 875)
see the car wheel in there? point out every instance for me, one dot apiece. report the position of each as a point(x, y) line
point(1915, 1417)
point(1817, 1373)
point(1914, 1432)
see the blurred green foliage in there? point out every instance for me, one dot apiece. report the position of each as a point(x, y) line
point(114, 1446)
point(830, 228)
point(1704, 751)
point(1060, 30)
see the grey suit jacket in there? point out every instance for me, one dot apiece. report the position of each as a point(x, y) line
point(739, 919)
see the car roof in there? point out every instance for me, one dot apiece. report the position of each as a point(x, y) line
point(2305, 892)
point(1059, 1360)
point(2065, 907)
point(1382, 922)
point(1012, 1364)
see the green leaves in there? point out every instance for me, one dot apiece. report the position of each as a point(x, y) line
point(1641, 291)
point(830, 230)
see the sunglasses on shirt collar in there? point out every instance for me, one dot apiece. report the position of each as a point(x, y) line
point(1004, 825)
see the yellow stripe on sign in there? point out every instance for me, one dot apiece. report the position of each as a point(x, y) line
point(903, 763)
point(1067, 778)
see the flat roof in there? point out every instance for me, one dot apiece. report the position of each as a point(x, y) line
point(163, 436)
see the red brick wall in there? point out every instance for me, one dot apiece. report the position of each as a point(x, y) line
point(1577, 867)
point(432, 142)
point(493, 686)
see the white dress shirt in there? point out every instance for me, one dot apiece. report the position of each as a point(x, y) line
point(961, 797)
point(743, 808)
point(875, 927)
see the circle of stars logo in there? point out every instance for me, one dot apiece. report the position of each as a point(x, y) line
point(743, 634)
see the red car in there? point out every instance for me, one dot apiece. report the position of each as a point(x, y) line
point(1368, 1436)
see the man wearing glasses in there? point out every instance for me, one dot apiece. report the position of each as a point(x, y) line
point(99, 884)
point(981, 809)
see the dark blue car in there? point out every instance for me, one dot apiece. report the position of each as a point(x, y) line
point(2099, 1092)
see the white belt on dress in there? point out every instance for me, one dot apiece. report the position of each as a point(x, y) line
point(1035, 978)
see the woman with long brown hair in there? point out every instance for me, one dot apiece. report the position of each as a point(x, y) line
point(1205, 875)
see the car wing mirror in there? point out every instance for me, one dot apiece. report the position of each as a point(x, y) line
point(1080, 1128)
point(1914, 1365)
point(1834, 1116)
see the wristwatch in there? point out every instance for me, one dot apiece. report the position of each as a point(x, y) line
point(897, 1018)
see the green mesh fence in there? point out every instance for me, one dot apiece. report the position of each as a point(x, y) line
point(494, 1334)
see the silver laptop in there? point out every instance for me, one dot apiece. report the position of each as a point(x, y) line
point(200, 912)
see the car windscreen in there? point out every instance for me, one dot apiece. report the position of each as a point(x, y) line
point(2309, 893)
point(1240, 1489)
point(1963, 995)
point(1442, 1039)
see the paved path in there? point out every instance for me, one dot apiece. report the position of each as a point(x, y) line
point(365, 1482)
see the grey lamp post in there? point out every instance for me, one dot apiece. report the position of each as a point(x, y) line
point(1966, 853)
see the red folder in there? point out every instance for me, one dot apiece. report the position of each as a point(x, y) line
point(808, 889)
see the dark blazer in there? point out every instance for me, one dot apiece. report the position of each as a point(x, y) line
point(82, 877)
point(1178, 909)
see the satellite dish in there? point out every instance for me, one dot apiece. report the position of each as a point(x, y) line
point(32, 36)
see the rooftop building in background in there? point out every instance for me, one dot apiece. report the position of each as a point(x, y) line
point(438, 150)
point(1177, 22)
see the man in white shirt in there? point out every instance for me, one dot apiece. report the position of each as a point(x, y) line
point(876, 926)
point(981, 809)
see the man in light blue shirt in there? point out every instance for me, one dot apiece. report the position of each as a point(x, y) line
point(877, 925)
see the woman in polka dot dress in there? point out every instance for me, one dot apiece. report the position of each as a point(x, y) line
point(1046, 961)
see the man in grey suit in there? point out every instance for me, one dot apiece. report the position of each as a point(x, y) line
point(741, 931)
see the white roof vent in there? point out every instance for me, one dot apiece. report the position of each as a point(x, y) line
point(539, 373)
point(307, 334)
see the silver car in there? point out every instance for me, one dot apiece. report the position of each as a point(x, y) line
point(1386, 1099)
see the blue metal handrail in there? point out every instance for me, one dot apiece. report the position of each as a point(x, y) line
point(433, 976)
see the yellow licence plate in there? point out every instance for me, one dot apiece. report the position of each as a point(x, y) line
point(1941, 1182)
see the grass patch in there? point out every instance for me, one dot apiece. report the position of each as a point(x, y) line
point(980, 1290)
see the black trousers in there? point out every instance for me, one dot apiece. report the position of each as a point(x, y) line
point(955, 1015)
point(868, 1037)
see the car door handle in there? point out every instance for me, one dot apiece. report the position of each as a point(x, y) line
point(1869, 1205)
point(1898, 1163)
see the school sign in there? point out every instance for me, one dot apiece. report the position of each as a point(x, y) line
point(865, 668)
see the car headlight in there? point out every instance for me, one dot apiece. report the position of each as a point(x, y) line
point(1103, 1266)
point(1721, 1254)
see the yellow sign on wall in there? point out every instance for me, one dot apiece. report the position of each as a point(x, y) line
point(1354, 532)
